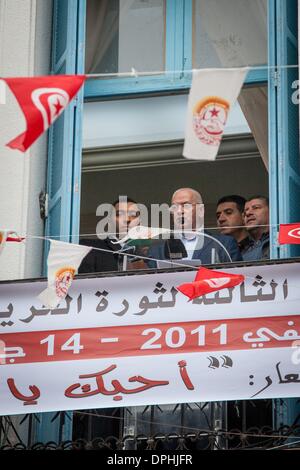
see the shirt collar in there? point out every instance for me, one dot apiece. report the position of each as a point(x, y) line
point(264, 237)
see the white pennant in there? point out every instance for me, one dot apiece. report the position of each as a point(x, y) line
point(63, 261)
point(212, 96)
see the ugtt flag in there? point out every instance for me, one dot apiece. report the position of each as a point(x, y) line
point(212, 96)
point(42, 100)
point(63, 261)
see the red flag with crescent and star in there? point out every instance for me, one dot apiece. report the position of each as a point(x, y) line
point(42, 100)
point(207, 281)
point(289, 234)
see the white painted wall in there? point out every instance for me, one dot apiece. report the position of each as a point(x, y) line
point(25, 34)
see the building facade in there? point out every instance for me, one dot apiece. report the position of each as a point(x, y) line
point(126, 128)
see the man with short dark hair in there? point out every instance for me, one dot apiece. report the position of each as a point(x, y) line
point(256, 216)
point(125, 215)
point(230, 219)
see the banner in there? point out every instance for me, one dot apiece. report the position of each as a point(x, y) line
point(135, 340)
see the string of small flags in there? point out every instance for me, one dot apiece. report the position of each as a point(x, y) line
point(65, 258)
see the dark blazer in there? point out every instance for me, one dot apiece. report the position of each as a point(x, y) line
point(206, 252)
point(99, 261)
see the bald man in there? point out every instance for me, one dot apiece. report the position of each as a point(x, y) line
point(187, 211)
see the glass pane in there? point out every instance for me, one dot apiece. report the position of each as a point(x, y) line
point(122, 34)
point(229, 33)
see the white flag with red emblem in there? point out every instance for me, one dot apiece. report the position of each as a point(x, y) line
point(212, 96)
point(63, 261)
point(42, 100)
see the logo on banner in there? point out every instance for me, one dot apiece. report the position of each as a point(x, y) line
point(294, 233)
point(217, 282)
point(63, 280)
point(209, 119)
point(50, 102)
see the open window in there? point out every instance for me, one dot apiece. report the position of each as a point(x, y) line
point(159, 42)
point(140, 156)
point(185, 34)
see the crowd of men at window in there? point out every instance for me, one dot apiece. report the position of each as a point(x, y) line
point(243, 234)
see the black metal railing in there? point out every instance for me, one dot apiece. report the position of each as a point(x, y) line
point(194, 426)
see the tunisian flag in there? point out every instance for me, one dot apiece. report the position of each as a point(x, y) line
point(42, 100)
point(289, 234)
point(7, 235)
point(207, 281)
point(212, 96)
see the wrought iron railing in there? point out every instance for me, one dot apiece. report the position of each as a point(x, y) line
point(186, 427)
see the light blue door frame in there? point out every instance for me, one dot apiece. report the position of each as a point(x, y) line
point(64, 164)
point(284, 162)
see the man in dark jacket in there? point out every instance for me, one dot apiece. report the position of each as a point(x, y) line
point(187, 211)
point(125, 215)
point(257, 224)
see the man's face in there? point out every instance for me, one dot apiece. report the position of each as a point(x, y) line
point(256, 213)
point(187, 213)
point(127, 215)
point(229, 216)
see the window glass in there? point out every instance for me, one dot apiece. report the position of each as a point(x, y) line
point(229, 33)
point(125, 34)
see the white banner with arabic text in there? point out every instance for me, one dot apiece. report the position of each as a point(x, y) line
point(135, 340)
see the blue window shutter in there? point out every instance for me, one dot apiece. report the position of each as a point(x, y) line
point(288, 120)
point(284, 166)
point(64, 164)
point(64, 157)
point(283, 122)
point(273, 128)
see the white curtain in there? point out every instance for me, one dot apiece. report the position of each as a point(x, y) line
point(101, 27)
point(254, 104)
